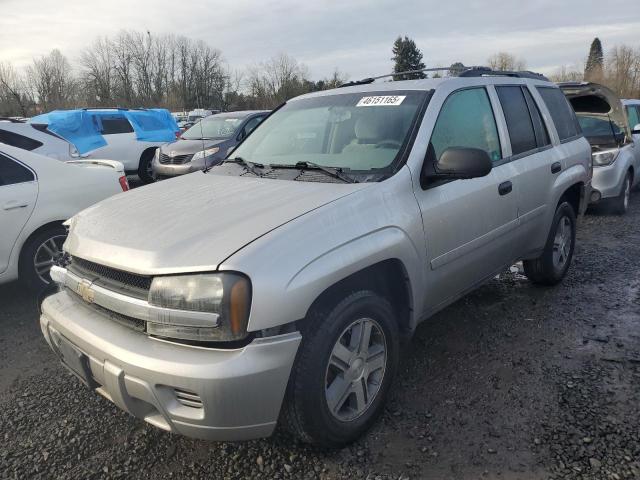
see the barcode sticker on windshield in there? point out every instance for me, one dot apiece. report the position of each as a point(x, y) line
point(381, 101)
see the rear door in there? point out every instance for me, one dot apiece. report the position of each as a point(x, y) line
point(18, 193)
point(121, 141)
point(469, 225)
point(535, 162)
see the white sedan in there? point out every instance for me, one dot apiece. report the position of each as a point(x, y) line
point(37, 194)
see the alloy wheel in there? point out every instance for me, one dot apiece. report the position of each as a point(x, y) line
point(562, 242)
point(47, 254)
point(356, 368)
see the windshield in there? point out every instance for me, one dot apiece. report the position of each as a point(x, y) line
point(598, 126)
point(213, 128)
point(356, 131)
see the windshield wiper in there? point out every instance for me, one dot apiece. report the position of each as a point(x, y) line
point(335, 172)
point(250, 166)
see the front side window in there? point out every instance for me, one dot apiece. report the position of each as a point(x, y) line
point(466, 120)
point(213, 128)
point(516, 114)
point(561, 112)
point(12, 172)
point(634, 116)
point(363, 132)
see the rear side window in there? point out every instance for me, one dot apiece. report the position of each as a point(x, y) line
point(542, 134)
point(633, 112)
point(467, 120)
point(12, 172)
point(19, 141)
point(113, 125)
point(519, 124)
point(561, 112)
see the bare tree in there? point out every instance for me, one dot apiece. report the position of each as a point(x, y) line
point(97, 62)
point(567, 74)
point(13, 92)
point(622, 73)
point(506, 61)
point(52, 82)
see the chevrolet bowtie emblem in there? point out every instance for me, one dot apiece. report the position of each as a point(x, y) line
point(85, 291)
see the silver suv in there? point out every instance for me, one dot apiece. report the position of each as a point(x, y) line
point(279, 285)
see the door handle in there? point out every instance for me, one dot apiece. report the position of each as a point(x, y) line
point(14, 205)
point(556, 167)
point(505, 187)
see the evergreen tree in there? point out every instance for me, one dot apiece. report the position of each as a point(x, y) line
point(407, 56)
point(594, 67)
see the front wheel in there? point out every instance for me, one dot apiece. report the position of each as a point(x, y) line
point(346, 364)
point(145, 169)
point(620, 204)
point(551, 267)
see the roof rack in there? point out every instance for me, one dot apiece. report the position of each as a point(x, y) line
point(488, 72)
point(461, 72)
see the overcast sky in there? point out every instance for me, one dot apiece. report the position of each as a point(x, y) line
point(354, 36)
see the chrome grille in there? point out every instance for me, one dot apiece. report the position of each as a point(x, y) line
point(125, 321)
point(117, 280)
point(175, 159)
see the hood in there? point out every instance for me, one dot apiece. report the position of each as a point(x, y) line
point(184, 147)
point(191, 223)
point(593, 98)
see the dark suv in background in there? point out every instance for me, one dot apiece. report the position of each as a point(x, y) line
point(206, 143)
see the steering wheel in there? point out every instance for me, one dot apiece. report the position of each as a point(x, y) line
point(389, 144)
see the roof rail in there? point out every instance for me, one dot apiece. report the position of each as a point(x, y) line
point(365, 81)
point(488, 72)
point(11, 119)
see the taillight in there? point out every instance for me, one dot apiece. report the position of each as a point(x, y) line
point(178, 133)
point(123, 183)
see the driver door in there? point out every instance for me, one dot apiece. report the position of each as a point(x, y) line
point(470, 224)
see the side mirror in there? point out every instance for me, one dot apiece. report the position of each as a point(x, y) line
point(241, 135)
point(463, 163)
point(636, 130)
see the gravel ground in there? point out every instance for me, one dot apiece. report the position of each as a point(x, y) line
point(511, 382)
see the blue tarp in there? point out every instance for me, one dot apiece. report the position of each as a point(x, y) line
point(83, 127)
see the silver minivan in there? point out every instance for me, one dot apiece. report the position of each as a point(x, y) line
point(277, 288)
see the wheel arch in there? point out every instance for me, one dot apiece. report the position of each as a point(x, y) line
point(388, 278)
point(37, 231)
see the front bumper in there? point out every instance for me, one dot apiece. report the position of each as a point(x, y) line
point(170, 170)
point(607, 180)
point(213, 394)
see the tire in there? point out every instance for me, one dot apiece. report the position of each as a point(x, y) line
point(145, 171)
point(319, 372)
point(620, 204)
point(38, 250)
point(551, 267)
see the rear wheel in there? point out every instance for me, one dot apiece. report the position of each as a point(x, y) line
point(620, 204)
point(39, 254)
point(145, 169)
point(345, 366)
point(551, 267)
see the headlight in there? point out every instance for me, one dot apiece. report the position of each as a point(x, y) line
point(226, 295)
point(205, 153)
point(604, 157)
